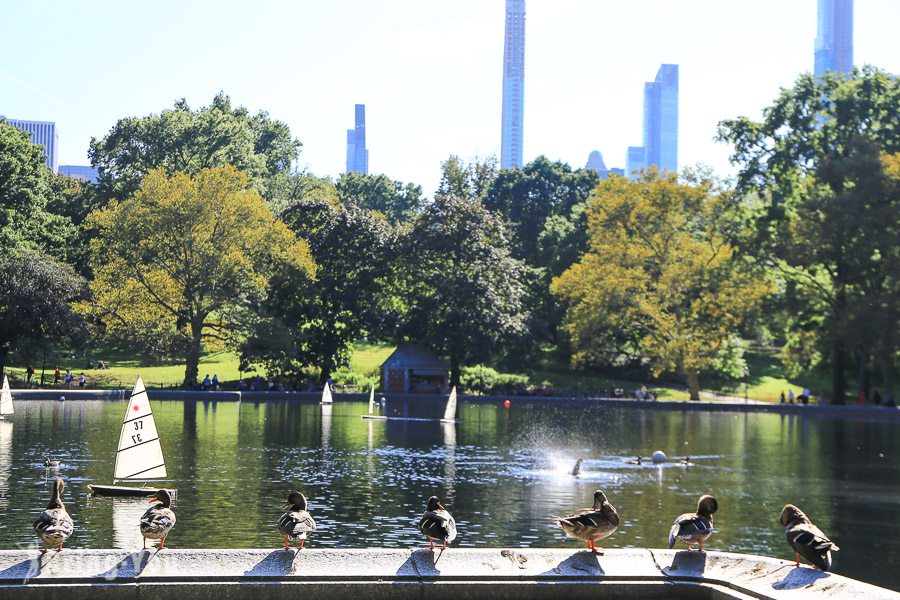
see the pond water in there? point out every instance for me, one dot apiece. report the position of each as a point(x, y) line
point(502, 472)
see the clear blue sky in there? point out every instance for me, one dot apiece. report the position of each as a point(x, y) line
point(428, 72)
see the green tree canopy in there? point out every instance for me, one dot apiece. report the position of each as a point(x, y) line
point(185, 140)
point(179, 262)
point(659, 274)
point(396, 201)
point(462, 290)
point(315, 325)
point(25, 222)
point(36, 305)
point(814, 163)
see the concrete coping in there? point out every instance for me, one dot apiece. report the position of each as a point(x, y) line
point(494, 572)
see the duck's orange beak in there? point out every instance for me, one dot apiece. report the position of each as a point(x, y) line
point(287, 506)
point(152, 498)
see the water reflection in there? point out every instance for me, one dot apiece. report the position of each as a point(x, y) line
point(503, 472)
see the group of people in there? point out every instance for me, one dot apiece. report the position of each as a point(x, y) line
point(801, 399)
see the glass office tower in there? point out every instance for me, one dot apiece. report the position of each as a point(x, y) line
point(513, 85)
point(834, 40)
point(44, 133)
point(357, 153)
point(661, 119)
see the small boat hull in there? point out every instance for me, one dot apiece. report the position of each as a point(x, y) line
point(121, 490)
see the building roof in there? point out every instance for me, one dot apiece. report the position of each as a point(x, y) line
point(409, 355)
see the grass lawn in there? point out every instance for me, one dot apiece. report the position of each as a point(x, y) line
point(765, 382)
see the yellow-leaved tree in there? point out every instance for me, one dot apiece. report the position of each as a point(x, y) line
point(180, 264)
point(659, 275)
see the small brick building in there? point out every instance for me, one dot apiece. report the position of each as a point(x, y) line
point(415, 369)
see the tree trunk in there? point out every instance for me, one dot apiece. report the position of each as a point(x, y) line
point(693, 386)
point(863, 378)
point(838, 384)
point(192, 360)
point(454, 370)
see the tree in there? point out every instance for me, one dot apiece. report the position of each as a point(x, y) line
point(184, 140)
point(179, 263)
point(839, 123)
point(36, 304)
point(467, 179)
point(660, 273)
point(536, 204)
point(25, 222)
point(462, 290)
point(316, 324)
point(397, 202)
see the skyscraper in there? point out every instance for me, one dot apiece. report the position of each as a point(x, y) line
point(634, 161)
point(43, 133)
point(357, 153)
point(513, 85)
point(834, 39)
point(661, 119)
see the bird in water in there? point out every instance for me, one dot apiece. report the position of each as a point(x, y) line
point(685, 462)
point(296, 523)
point(54, 525)
point(437, 523)
point(592, 524)
point(51, 463)
point(159, 519)
point(806, 539)
point(576, 470)
point(695, 527)
point(636, 461)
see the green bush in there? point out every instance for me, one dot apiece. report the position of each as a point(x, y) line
point(485, 380)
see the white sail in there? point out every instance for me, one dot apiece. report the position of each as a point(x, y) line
point(450, 411)
point(326, 394)
point(6, 405)
point(139, 455)
point(372, 400)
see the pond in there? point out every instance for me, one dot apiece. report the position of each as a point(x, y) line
point(502, 471)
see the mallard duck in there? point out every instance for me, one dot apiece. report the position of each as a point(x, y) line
point(592, 524)
point(695, 527)
point(806, 539)
point(296, 523)
point(636, 461)
point(54, 525)
point(685, 462)
point(437, 523)
point(576, 470)
point(51, 463)
point(158, 520)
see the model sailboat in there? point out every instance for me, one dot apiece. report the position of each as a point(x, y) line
point(139, 455)
point(6, 405)
point(372, 414)
point(326, 395)
point(450, 410)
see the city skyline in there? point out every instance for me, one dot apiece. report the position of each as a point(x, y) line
point(512, 116)
point(834, 37)
point(434, 94)
point(44, 133)
point(357, 153)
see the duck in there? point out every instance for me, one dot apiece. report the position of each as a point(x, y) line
point(592, 524)
point(636, 461)
point(158, 521)
point(695, 527)
point(51, 463)
point(576, 470)
point(54, 525)
point(685, 462)
point(805, 539)
point(296, 523)
point(437, 523)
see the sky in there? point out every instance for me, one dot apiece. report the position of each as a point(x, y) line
point(429, 73)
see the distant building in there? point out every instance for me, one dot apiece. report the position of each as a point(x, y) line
point(634, 161)
point(595, 162)
point(44, 133)
point(834, 38)
point(617, 171)
point(79, 172)
point(511, 133)
point(357, 153)
point(414, 369)
point(661, 119)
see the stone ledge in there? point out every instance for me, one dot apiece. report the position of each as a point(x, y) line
point(401, 573)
